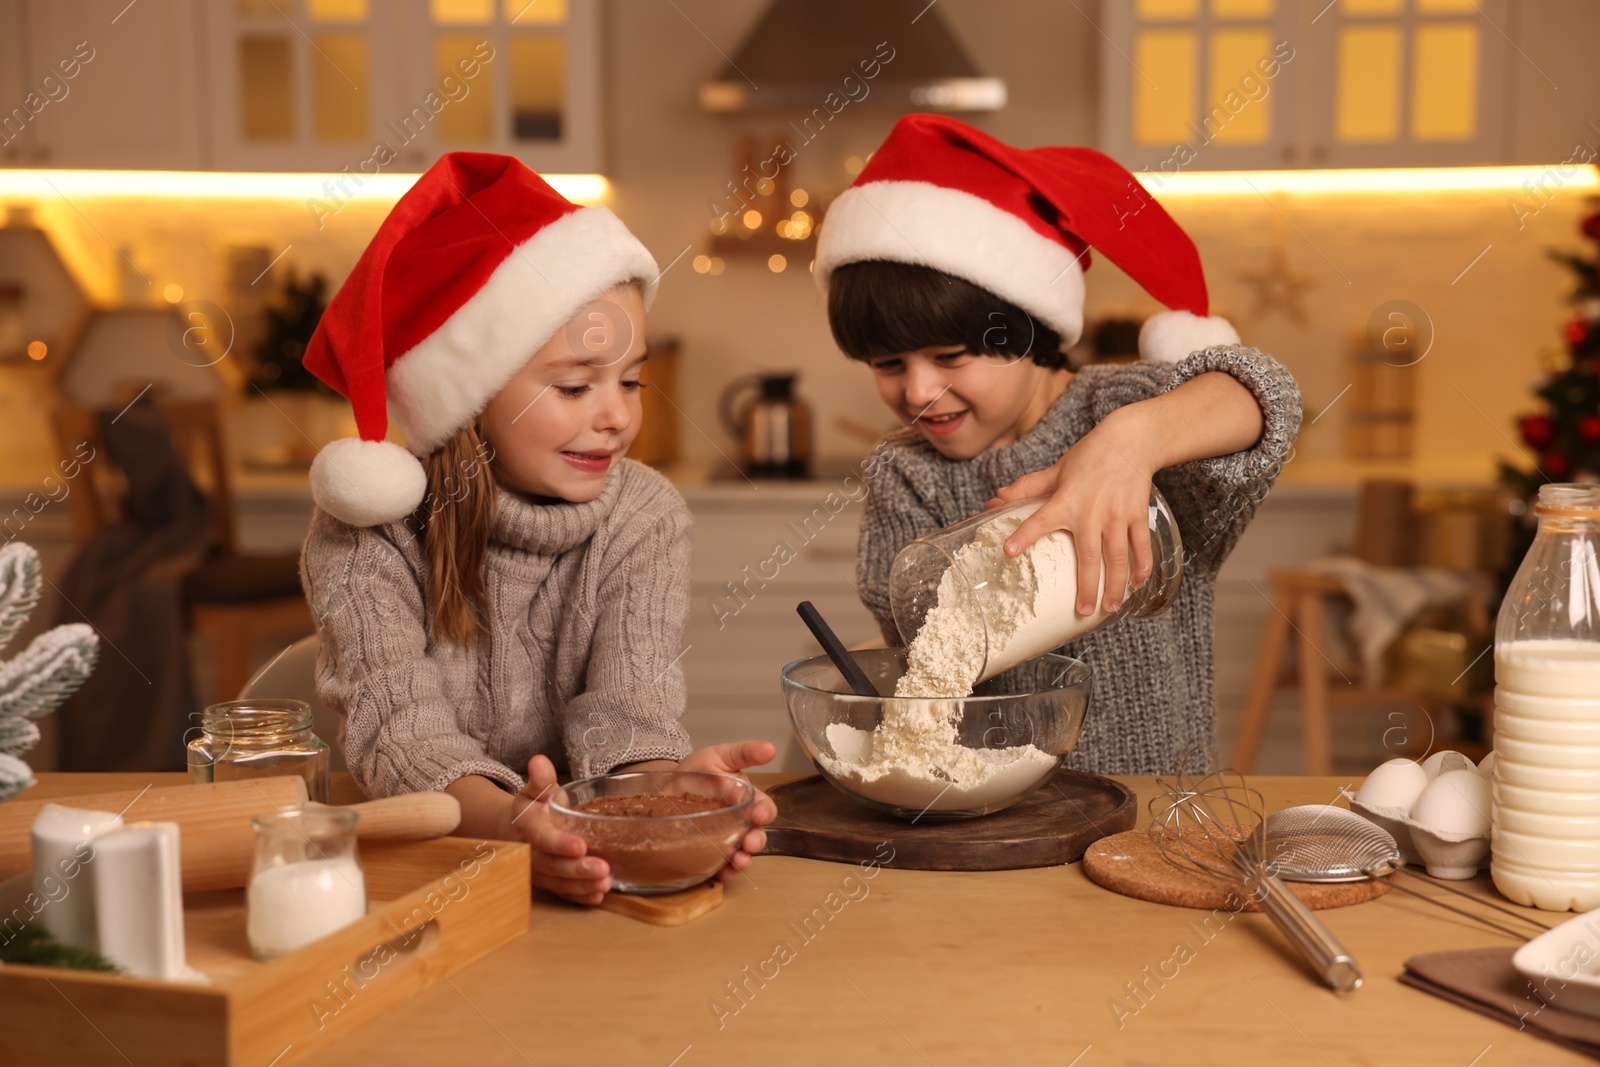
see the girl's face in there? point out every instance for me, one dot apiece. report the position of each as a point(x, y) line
point(963, 403)
point(568, 416)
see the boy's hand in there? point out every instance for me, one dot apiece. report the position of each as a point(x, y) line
point(1100, 493)
point(732, 759)
point(559, 863)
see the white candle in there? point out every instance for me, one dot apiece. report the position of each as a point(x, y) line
point(63, 846)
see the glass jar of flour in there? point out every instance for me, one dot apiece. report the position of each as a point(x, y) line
point(970, 612)
point(260, 739)
point(1546, 792)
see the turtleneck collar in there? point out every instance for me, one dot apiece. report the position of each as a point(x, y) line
point(548, 527)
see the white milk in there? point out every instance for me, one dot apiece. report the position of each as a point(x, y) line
point(295, 904)
point(1546, 690)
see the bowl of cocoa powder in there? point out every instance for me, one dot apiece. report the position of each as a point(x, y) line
point(658, 831)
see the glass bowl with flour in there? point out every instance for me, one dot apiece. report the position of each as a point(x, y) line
point(937, 758)
point(970, 612)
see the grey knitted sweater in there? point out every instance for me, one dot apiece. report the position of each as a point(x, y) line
point(585, 607)
point(1153, 678)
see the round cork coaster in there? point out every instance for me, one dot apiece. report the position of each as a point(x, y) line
point(1130, 863)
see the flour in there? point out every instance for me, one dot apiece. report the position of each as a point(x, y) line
point(1029, 604)
point(296, 903)
point(913, 760)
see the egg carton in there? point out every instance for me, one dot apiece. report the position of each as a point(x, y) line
point(1441, 844)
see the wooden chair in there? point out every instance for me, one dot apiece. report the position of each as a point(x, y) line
point(232, 598)
point(1300, 599)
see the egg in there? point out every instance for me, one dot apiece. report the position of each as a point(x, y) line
point(1454, 804)
point(1445, 760)
point(1486, 768)
point(1393, 785)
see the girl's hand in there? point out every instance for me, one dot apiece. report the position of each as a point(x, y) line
point(732, 759)
point(559, 863)
point(1100, 493)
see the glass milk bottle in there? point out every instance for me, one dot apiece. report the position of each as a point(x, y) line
point(1013, 610)
point(1546, 794)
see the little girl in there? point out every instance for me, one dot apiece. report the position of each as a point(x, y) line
point(517, 598)
point(954, 268)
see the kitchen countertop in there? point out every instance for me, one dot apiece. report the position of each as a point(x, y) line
point(916, 967)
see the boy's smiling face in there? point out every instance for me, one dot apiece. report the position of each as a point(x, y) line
point(569, 415)
point(962, 403)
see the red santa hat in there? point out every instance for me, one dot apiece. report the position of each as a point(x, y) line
point(1020, 222)
point(475, 268)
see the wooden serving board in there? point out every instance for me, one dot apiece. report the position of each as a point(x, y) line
point(1130, 863)
point(668, 909)
point(1050, 826)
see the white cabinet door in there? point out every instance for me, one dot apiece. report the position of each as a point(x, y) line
point(535, 91)
point(1415, 83)
point(133, 97)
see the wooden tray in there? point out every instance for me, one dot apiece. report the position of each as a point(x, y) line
point(1129, 863)
point(434, 907)
point(668, 909)
point(1050, 826)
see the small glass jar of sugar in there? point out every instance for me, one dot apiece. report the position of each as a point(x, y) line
point(969, 612)
point(307, 880)
point(260, 739)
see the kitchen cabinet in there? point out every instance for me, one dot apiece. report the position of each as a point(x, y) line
point(12, 80)
point(1235, 84)
point(114, 84)
point(364, 87)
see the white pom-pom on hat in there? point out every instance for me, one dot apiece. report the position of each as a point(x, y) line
point(1171, 335)
point(367, 483)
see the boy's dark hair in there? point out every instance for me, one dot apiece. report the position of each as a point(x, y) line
point(880, 308)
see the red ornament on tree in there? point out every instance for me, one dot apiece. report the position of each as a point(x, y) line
point(1589, 428)
point(1577, 332)
point(1536, 430)
point(1555, 464)
point(1591, 226)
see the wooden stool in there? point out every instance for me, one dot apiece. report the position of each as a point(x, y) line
point(1299, 600)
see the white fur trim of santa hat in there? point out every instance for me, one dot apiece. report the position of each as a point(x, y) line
point(1170, 336)
point(962, 235)
point(447, 380)
point(367, 483)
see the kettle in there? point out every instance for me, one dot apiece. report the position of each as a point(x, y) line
point(772, 426)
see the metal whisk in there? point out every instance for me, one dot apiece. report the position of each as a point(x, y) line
point(1213, 825)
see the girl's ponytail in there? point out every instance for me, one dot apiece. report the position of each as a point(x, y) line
point(456, 515)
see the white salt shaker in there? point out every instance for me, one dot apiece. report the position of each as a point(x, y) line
point(307, 880)
point(63, 846)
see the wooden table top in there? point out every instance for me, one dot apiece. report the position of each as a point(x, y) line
point(917, 967)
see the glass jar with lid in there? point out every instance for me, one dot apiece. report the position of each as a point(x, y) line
point(994, 612)
point(260, 739)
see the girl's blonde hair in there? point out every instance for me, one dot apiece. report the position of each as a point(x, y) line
point(457, 515)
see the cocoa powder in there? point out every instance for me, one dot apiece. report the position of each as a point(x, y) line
point(651, 851)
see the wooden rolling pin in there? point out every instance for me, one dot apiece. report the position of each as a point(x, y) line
point(218, 844)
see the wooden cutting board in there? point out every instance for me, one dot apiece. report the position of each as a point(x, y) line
point(1129, 863)
point(1050, 826)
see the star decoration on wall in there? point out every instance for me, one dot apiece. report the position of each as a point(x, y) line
point(1279, 287)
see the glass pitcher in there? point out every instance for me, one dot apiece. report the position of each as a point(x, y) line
point(960, 575)
point(1546, 790)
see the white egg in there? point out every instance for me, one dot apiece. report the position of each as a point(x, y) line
point(1395, 784)
point(1455, 803)
point(1486, 768)
point(1445, 760)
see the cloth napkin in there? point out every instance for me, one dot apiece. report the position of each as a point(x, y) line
point(1387, 598)
point(1483, 980)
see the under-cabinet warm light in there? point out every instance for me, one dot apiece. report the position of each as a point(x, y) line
point(238, 185)
point(1518, 179)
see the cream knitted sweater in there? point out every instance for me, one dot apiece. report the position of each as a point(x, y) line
point(1153, 692)
point(585, 606)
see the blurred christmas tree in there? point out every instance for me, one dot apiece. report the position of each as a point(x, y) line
point(1565, 437)
point(291, 320)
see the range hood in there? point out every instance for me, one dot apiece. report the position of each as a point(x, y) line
point(802, 50)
